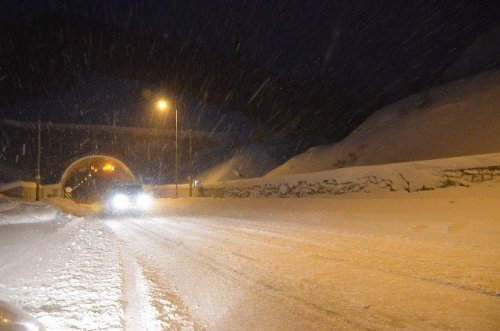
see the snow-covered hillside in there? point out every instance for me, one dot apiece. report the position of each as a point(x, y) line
point(456, 119)
point(245, 162)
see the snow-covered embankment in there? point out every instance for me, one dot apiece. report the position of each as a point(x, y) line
point(406, 177)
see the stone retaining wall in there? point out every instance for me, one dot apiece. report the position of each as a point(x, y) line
point(331, 186)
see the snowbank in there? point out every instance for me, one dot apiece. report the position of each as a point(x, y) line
point(403, 177)
point(15, 211)
point(69, 206)
point(457, 119)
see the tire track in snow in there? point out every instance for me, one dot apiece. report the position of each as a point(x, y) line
point(291, 242)
point(73, 280)
point(230, 273)
point(183, 233)
point(140, 314)
point(148, 305)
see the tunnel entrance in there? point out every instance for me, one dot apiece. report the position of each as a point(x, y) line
point(87, 179)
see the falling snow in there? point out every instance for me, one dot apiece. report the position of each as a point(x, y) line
point(344, 160)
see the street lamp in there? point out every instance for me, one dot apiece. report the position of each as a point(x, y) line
point(162, 105)
point(38, 176)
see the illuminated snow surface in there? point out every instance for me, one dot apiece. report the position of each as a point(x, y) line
point(386, 260)
point(64, 272)
point(70, 273)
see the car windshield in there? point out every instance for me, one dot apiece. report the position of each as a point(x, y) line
point(128, 188)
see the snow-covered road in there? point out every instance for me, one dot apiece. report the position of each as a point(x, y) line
point(423, 263)
point(231, 273)
point(68, 275)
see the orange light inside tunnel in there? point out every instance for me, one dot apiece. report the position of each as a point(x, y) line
point(108, 167)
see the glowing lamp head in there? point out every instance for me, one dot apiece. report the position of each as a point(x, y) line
point(162, 105)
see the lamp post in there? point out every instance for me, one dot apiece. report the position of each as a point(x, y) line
point(162, 105)
point(38, 175)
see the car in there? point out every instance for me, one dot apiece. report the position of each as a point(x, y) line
point(14, 318)
point(127, 198)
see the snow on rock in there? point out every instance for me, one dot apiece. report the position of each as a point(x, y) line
point(246, 162)
point(408, 176)
point(456, 119)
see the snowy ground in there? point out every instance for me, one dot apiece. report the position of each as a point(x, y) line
point(66, 274)
point(425, 260)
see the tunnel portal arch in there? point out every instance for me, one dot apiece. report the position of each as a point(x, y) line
point(87, 161)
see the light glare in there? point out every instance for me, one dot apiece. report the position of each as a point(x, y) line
point(120, 202)
point(162, 105)
point(144, 201)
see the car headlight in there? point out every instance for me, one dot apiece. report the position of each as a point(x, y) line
point(144, 201)
point(120, 201)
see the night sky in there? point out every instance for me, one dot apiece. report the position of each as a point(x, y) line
point(357, 54)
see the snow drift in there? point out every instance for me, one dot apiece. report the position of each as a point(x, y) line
point(456, 119)
point(13, 211)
